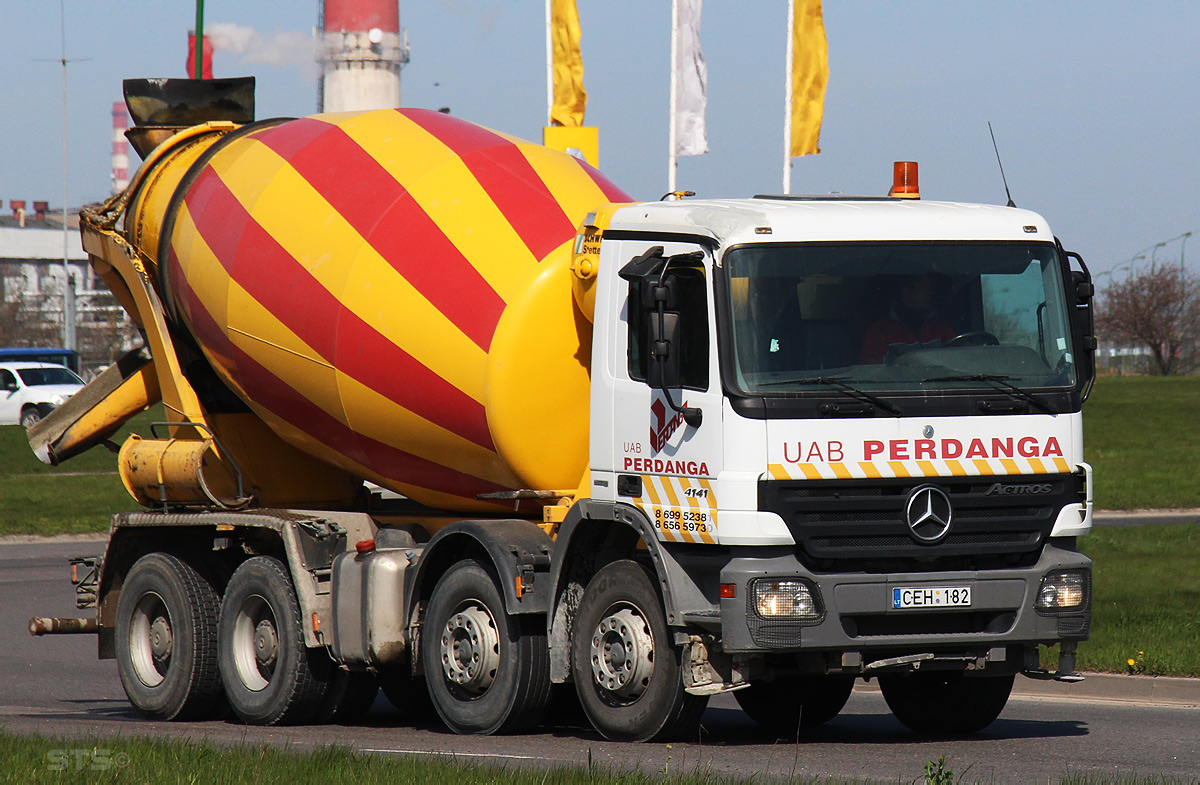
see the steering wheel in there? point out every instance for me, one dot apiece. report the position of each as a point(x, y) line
point(980, 338)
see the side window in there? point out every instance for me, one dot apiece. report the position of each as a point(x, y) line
point(7, 380)
point(691, 304)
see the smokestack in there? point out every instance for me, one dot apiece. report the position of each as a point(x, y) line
point(120, 148)
point(363, 50)
point(206, 57)
point(18, 210)
point(39, 210)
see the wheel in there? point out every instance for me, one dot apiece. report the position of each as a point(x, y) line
point(30, 418)
point(627, 671)
point(947, 703)
point(348, 698)
point(979, 338)
point(167, 640)
point(270, 676)
point(487, 672)
point(793, 702)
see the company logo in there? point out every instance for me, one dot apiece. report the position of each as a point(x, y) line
point(661, 427)
point(998, 489)
point(928, 514)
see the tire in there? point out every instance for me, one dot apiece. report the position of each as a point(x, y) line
point(30, 418)
point(793, 702)
point(946, 703)
point(627, 671)
point(270, 676)
point(167, 640)
point(487, 672)
point(348, 698)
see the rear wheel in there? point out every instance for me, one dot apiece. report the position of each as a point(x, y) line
point(947, 703)
point(793, 702)
point(627, 671)
point(270, 676)
point(167, 640)
point(487, 672)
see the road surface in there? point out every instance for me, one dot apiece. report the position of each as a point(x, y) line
point(56, 686)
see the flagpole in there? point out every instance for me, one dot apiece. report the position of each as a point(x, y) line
point(671, 163)
point(787, 101)
point(549, 63)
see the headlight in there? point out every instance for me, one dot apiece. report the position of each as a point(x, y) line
point(1063, 591)
point(57, 400)
point(792, 600)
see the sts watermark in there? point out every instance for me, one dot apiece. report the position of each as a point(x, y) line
point(85, 759)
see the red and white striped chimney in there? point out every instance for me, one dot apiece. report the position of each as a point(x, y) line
point(363, 50)
point(120, 148)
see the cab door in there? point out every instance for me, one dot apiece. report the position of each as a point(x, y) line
point(667, 432)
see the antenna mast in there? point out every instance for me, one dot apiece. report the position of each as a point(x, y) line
point(1003, 179)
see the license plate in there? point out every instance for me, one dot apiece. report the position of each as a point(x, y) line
point(931, 597)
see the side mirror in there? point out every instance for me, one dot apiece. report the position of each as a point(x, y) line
point(1083, 321)
point(663, 370)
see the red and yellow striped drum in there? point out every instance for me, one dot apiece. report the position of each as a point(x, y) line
point(390, 292)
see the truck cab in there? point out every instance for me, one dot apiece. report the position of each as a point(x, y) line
point(862, 439)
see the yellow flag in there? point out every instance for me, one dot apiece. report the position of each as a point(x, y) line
point(570, 98)
point(810, 73)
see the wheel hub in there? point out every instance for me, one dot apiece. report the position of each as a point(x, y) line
point(470, 649)
point(266, 643)
point(161, 640)
point(623, 654)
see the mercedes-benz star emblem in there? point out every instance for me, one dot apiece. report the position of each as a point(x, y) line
point(928, 514)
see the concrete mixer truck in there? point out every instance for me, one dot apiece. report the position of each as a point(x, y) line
point(447, 412)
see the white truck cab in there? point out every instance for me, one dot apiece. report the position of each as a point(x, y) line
point(853, 424)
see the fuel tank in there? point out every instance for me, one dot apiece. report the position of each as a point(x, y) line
point(389, 291)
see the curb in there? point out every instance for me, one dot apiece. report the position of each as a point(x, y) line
point(1157, 690)
point(1143, 517)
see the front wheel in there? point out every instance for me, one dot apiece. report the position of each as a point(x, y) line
point(487, 671)
point(167, 640)
point(627, 671)
point(30, 418)
point(947, 703)
point(270, 676)
point(792, 702)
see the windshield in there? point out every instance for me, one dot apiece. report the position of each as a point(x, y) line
point(898, 316)
point(35, 377)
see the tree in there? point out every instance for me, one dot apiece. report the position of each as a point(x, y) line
point(1158, 309)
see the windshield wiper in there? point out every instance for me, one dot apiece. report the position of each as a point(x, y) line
point(840, 383)
point(1001, 383)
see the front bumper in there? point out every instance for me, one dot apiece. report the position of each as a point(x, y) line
point(859, 618)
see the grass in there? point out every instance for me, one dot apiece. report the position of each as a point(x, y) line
point(77, 497)
point(1146, 591)
point(119, 760)
point(1141, 436)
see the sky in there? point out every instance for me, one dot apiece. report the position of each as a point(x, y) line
point(1095, 105)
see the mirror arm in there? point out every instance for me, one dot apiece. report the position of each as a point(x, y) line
point(692, 415)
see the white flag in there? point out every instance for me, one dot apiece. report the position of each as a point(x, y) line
point(691, 75)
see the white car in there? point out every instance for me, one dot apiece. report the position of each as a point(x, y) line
point(29, 391)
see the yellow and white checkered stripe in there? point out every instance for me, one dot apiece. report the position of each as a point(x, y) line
point(861, 470)
point(684, 509)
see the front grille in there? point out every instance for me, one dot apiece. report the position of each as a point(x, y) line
point(860, 524)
